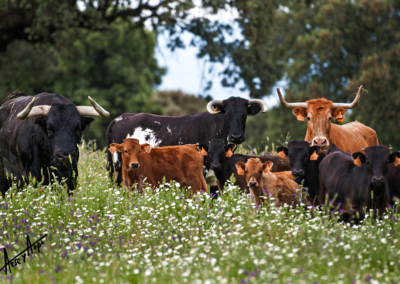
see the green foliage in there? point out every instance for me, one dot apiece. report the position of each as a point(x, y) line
point(103, 234)
point(176, 103)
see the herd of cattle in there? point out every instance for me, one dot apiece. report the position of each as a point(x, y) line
point(345, 163)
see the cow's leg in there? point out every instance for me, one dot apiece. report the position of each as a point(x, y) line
point(3, 178)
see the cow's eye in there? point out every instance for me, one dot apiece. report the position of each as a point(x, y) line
point(126, 151)
point(49, 130)
point(260, 172)
point(330, 118)
point(245, 172)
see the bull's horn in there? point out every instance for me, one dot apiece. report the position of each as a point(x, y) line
point(289, 105)
point(261, 103)
point(96, 110)
point(210, 105)
point(353, 104)
point(31, 110)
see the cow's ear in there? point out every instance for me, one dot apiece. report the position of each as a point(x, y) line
point(313, 152)
point(240, 168)
point(203, 149)
point(145, 147)
point(395, 158)
point(282, 151)
point(267, 166)
point(338, 113)
point(86, 121)
point(42, 122)
point(253, 109)
point(358, 158)
point(229, 149)
point(300, 113)
point(114, 147)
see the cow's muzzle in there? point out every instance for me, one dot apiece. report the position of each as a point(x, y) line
point(320, 142)
point(252, 184)
point(378, 180)
point(64, 159)
point(236, 138)
point(135, 165)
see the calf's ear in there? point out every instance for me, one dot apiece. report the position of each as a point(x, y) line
point(267, 166)
point(203, 149)
point(338, 113)
point(358, 158)
point(395, 158)
point(145, 147)
point(114, 147)
point(240, 168)
point(313, 151)
point(230, 148)
point(300, 113)
point(282, 151)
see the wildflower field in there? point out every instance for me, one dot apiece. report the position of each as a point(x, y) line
point(102, 234)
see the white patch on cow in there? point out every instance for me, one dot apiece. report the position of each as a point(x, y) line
point(115, 158)
point(169, 129)
point(118, 119)
point(145, 136)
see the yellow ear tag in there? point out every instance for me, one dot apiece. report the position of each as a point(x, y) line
point(216, 109)
point(300, 117)
point(203, 152)
point(396, 162)
point(339, 117)
point(314, 156)
point(357, 162)
point(229, 153)
point(282, 154)
point(240, 171)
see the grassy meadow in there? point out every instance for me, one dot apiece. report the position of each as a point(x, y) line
point(102, 234)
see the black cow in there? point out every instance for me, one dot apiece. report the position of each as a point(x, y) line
point(41, 132)
point(304, 163)
point(353, 178)
point(224, 120)
point(220, 158)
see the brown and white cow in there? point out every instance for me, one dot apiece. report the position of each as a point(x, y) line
point(183, 164)
point(350, 137)
point(262, 181)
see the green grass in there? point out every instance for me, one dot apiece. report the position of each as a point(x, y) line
point(104, 235)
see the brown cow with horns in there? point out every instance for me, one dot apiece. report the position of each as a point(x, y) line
point(350, 137)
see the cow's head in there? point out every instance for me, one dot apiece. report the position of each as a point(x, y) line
point(130, 150)
point(215, 153)
point(236, 111)
point(62, 126)
point(376, 159)
point(253, 170)
point(319, 114)
point(299, 153)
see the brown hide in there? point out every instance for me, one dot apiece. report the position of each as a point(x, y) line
point(184, 164)
point(281, 185)
point(350, 137)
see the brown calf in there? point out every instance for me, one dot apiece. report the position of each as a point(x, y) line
point(259, 177)
point(184, 164)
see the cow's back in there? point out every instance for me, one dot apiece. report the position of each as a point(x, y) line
point(353, 136)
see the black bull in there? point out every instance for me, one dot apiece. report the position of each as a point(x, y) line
point(224, 120)
point(38, 135)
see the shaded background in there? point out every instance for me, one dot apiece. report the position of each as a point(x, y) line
point(129, 55)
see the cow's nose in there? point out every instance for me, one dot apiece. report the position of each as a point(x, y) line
point(297, 172)
point(134, 165)
point(252, 184)
point(215, 167)
point(237, 136)
point(63, 158)
point(378, 179)
point(320, 142)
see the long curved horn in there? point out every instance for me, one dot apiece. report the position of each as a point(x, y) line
point(210, 104)
point(260, 103)
point(96, 110)
point(289, 105)
point(31, 110)
point(353, 104)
